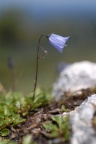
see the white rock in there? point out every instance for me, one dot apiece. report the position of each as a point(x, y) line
point(75, 77)
point(81, 122)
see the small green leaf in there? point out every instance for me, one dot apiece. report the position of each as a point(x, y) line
point(63, 108)
point(1, 123)
point(49, 126)
point(58, 119)
point(6, 141)
point(11, 143)
point(5, 132)
point(61, 127)
point(28, 139)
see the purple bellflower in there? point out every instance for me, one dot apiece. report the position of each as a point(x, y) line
point(57, 41)
point(10, 63)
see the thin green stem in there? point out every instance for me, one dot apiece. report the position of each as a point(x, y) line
point(37, 60)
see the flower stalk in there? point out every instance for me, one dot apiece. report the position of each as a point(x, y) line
point(37, 60)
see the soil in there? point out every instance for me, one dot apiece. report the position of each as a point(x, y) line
point(35, 119)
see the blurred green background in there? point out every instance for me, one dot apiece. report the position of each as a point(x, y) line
point(21, 24)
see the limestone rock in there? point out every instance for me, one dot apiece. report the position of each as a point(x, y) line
point(79, 75)
point(83, 132)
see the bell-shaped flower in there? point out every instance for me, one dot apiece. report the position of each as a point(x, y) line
point(57, 41)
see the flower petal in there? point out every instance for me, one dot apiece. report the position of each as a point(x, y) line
point(58, 41)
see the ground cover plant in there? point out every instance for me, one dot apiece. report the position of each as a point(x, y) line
point(14, 108)
point(23, 121)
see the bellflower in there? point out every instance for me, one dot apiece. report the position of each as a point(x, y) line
point(10, 63)
point(57, 41)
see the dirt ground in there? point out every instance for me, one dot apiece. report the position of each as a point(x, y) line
point(35, 119)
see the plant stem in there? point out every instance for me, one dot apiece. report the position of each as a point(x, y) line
point(37, 60)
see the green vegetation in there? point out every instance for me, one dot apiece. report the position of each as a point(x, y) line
point(26, 140)
point(6, 142)
point(14, 109)
point(15, 106)
point(59, 127)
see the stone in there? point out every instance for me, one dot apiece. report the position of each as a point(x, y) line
point(83, 132)
point(76, 76)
